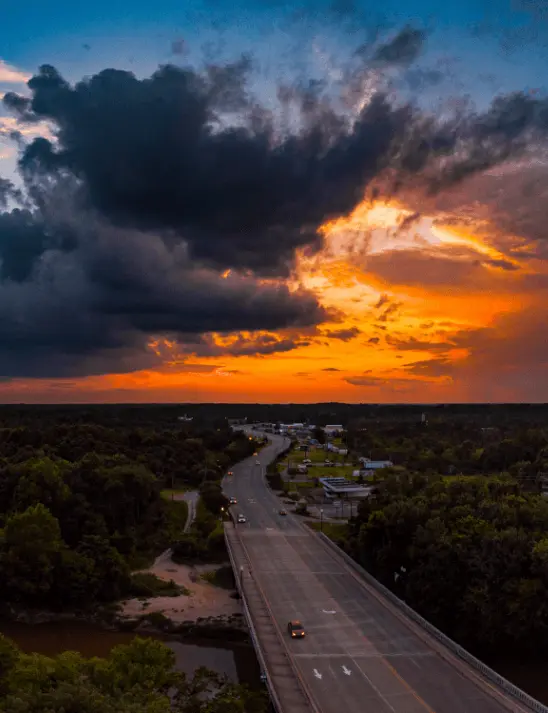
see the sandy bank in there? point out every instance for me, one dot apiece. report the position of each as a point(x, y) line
point(204, 600)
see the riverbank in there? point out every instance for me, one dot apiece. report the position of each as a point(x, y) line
point(200, 598)
point(237, 660)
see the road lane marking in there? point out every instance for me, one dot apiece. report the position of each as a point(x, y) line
point(326, 611)
point(317, 673)
point(409, 688)
point(347, 671)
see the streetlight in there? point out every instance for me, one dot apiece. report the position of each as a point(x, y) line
point(321, 519)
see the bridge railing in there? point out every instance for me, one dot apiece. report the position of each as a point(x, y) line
point(455, 648)
point(254, 638)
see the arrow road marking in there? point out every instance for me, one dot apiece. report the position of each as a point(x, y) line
point(317, 673)
point(325, 611)
point(347, 671)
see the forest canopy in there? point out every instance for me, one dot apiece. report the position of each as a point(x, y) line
point(135, 678)
point(81, 503)
point(468, 553)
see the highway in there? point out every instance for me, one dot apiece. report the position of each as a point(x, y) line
point(360, 655)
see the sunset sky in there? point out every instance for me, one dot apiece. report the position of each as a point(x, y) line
point(273, 201)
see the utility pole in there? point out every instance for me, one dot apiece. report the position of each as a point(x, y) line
point(321, 519)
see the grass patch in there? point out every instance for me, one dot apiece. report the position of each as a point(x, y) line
point(176, 517)
point(332, 471)
point(222, 577)
point(146, 584)
point(334, 530)
point(316, 456)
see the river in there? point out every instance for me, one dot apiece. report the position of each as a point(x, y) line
point(237, 661)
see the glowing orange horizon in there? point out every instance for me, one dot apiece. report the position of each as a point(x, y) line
point(345, 276)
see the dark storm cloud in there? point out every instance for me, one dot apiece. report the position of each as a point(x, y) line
point(403, 49)
point(91, 309)
point(330, 368)
point(152, 155)
point(153, 189)
point(158, 154)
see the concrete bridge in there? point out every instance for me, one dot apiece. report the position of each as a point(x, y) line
point(365, 650)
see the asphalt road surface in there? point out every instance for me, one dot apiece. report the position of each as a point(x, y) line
point(359, 655)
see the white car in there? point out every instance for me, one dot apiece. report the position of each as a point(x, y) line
point(241, 519)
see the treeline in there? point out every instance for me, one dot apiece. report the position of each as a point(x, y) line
point(468, 553)
point(456, 448)
point(135, 678)
point(182, 454)
point(81, 506)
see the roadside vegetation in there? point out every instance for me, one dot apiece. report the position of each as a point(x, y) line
point(205, 542)
point(221, 577)
point(136, 677)
point(468, 553)
point(147, 584)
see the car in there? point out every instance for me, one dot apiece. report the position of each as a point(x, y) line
point(295, 629)
point(306, 461)
point(233, 501)
point(241, 518)
point(230, 472)
point(283, 512)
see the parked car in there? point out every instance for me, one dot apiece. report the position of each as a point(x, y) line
point(307, 461)
point(295, 629)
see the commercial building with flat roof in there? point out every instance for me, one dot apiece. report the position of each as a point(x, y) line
point(341, 487)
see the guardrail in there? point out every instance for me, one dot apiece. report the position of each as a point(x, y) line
point(455, 648)
point(254, 638)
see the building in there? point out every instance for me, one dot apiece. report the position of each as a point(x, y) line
point(333, 430)
point(368, 464)
point(343, 488)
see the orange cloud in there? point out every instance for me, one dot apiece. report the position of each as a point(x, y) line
point(422, 310)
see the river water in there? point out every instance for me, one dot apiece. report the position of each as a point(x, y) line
point(237, 661)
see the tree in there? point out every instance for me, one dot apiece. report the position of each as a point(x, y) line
point(29, 546)
point(319, 435)
point(134, 678)
point(468, 553)
point(213, 498)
